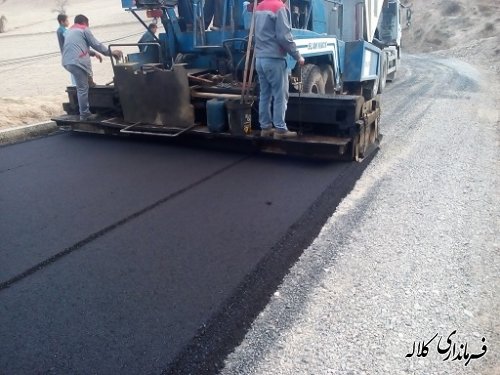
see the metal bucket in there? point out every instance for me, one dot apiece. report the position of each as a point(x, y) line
point(239, 117)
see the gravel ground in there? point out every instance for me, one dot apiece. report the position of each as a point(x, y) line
point(412, 252)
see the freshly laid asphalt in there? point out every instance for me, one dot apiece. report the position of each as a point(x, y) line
point(129, 256)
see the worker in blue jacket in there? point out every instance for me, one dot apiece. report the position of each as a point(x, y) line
point(62, 29)
point(273, 41)
point(63, 21)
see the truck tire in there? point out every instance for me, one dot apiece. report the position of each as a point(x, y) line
point(312, 80)
point(383, 76)
point(328, 78)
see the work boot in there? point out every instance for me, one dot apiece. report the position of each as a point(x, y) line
point(268, 132)
point(91, 117)
point(284, 134)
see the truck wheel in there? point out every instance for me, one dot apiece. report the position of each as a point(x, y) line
point(328, 78)
point(390, 77)
point(312, 80)
point(383, 77)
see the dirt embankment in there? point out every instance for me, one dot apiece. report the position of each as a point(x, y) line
point(467, 30)
point(443, 24)
point(461, 29)
point(16, 111)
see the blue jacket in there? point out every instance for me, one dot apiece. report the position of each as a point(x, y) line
point(273, 37)
point(61, 31)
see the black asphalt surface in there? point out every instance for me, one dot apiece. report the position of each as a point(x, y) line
point(135, 257)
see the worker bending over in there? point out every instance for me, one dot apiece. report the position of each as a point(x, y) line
point(76, 59)
point(273, 40)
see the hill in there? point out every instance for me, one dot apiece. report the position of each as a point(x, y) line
point(440, 25)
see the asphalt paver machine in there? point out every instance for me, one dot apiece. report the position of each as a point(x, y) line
point(196, 83)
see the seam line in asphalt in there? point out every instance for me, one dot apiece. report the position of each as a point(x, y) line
point(109, 228)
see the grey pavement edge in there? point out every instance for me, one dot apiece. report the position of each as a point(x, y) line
point(26, 132)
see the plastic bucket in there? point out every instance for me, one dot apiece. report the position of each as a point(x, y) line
point(216, 116)
point(239, 117)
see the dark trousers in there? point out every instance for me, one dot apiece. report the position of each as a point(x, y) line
point(214, 9)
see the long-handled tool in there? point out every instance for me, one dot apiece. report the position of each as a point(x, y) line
point(300, 86)
point(248, 75)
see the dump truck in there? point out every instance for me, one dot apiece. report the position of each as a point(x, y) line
point(387, 37)
point(196, 84)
